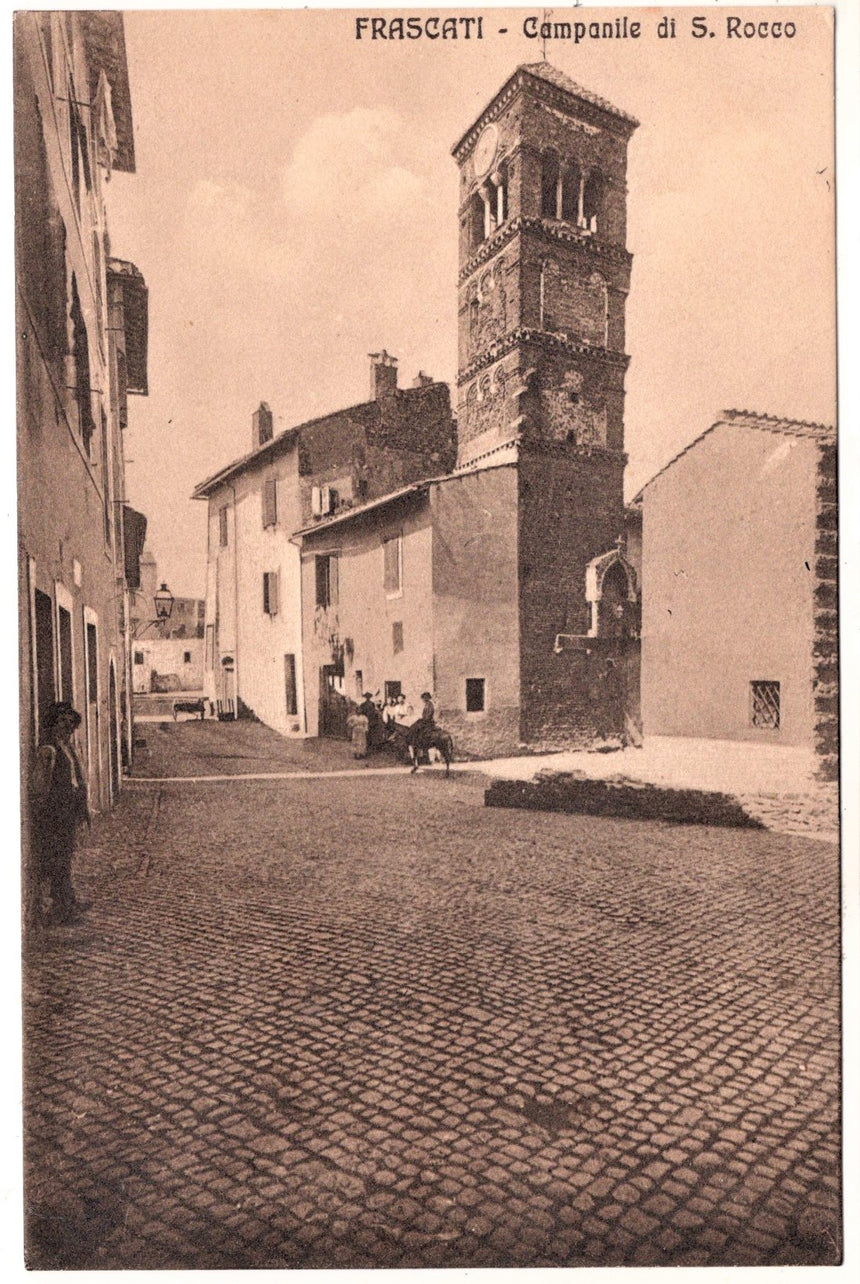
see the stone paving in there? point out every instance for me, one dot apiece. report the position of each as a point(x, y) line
point(774, 784)
point(370, 1022)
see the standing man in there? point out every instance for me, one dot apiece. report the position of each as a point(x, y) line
point(59, 801)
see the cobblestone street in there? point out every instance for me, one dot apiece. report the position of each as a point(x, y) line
point(370, 1022)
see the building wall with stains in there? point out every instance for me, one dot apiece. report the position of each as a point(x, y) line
point(71, 391)
point(476, 622)
point(729, 575)
point(369, 631)
point(252, 652)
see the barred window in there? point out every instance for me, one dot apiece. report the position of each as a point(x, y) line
point(764, 704)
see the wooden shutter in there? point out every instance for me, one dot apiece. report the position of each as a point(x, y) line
point(270, 502)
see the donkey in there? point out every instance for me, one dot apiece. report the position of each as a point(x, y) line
point(436, 738)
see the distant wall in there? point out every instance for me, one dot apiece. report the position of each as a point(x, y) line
point(182, 657)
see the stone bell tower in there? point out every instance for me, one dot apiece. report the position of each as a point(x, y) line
point(544, 271)
point(543, 281)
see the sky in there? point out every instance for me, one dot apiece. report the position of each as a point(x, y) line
point(295, 208)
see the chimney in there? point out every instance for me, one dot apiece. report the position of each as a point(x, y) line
point(383, 375)
point(261, 426)
point(422, 380)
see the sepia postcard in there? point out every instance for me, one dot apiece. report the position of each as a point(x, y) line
point(428, 559)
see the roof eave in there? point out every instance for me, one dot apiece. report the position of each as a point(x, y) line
point(623, 119)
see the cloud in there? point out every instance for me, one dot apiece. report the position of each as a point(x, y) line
point(345, 168)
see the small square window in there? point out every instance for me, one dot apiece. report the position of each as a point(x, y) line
point(475, 695)
point(764, 704)
point(138, 657)
point(186, 657)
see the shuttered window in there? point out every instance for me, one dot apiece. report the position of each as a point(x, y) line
point(270, 592)
point(326, 580)
point(270, 502)
point(393, 563)
point(290, 684)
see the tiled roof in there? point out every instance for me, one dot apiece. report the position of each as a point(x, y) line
point(546, 71)
point(480, 465)
point(774, 423)
point(551, 76)
point(823, 433)
point(363, 412)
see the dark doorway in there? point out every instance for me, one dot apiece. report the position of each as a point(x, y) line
point(334, 706)
point(66, 671)
point(92, 713)
point(113, 735)
point(45, 688)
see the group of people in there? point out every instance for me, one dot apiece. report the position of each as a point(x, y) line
point(372, 724)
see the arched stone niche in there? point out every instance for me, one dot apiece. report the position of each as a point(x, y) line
point(612, 593)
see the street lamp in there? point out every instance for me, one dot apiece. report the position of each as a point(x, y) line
point(163, 603)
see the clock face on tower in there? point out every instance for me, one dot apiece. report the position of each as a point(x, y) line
point(485, 151)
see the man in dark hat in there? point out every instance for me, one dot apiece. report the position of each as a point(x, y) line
point(375, 725)
point(59, 803)
point(420, 733)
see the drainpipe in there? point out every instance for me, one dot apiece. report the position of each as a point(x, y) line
point(235, 601)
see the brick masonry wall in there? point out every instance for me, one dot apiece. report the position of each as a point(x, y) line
point(571, 510)
point(561, 306)
point(602, 149)
point(372, 449)
point(825, 656)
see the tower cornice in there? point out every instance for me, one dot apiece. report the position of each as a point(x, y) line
point(562, 233)
point(553, 342)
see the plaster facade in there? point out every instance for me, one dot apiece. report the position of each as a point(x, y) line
point(81, 350)
point(495, 555)
point(450, 627)
point(253, 623)
point(167, 664)
point(738, 589)
point(253, 659)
